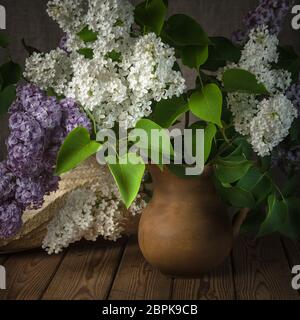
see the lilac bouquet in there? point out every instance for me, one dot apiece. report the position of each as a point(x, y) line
point(116, 67)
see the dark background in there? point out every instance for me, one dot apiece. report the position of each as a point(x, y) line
point(28, 19)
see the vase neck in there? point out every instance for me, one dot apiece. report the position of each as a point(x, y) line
point(168, 182)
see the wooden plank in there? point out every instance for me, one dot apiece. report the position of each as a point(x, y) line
point(137, 280)
point(3, 259)
point(216, 285)
point(261, 270)
point(28, 274)
point(87, 272)
point(292, 251)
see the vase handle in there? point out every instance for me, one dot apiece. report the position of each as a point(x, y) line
point(238, 221)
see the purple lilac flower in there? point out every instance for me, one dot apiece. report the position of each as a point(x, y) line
point(10, 219)
point(63, 43)
point(38, 126)
point(269, 12)
point(286, 158)
point(7, 183)
point(293, 94)
point(30, 192)
point(73, 116)
point(25, 128)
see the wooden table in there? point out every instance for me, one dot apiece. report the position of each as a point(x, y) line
point(103, 270)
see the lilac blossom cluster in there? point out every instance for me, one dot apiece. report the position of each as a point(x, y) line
point(270, 13)
point(286, 158)
point(293, 94)
point(38, 125)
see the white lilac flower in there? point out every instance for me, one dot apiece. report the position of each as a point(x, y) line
point(69, 14)
point(122, 91)
point(262, 121)
point(90, 212)
point(124, 76)
point(50, 70)
point(110, 19)
point(148, 65)
point(258, 57)
point(244, 108)
point(271, 124)
point(71, 221)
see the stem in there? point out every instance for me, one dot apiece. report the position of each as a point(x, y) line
point(201, 81)
point(187, 120)
point(224, 136)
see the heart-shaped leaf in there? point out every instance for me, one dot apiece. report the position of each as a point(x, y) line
point(276, 216)
point(206, 104)
point(128, 174)
point(194, 56)
point(76, 148)
point(167, 112)
point(239, 80)
point(151, 14)
point(160, 146)
point(232, 169)
point(182, 30)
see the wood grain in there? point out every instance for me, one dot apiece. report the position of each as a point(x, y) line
point(292, 251)
point(216, 285)
point(28, 274)
point(261, 270)
point(86, 272)
point(137, 280)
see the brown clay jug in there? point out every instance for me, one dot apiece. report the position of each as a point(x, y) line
point(185, 231)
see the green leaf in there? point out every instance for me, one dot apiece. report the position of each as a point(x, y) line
point(167, 112)
point(194, 56)
point(244, 146)
point(206, 104)
point(128, 176)
point(251, 179)
point(114, 56)
point(276, 216)
point(257, 183)
point(76, 148)
point(4, 40)
point(232, 169)
point(210, 131)
point(235, 196)
point(7, 97)
point(181, 30)
point(151, 14)
point(221, 51)
point(239, 80)
point(86, 52)
point(87, 35)
point(163, 147)
point(11, 73)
